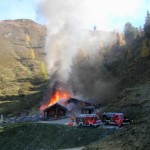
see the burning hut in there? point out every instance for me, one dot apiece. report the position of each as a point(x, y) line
point(69, 107)
point(55, 111)
point(62, 104)
point(83, 107)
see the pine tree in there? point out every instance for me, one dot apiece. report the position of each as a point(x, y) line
point(129, 54)
point(32, 54)
point(43, 70)
point(27, 39)
point(129, 33)
point(147, 26)
point(145, 50)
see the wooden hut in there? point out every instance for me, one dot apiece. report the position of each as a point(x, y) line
point(55, 111)
point(83, 106)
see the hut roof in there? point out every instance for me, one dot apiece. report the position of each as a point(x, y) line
point(74, 100)
point(56, 104)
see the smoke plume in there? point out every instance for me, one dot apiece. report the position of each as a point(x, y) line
point(75, 54)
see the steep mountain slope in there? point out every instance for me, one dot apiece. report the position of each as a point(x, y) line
point(134, 100)
point(22, 83)
point(21, 56)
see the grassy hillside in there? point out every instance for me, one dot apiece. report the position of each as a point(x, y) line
point(134, 72)
point(22, 83)
point(21, 48)
point(134, 100)
point(45, 136)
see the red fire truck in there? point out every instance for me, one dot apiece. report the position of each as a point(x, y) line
point(87, 120)
point(114, 118)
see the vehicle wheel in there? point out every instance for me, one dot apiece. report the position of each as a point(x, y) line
point(80, 125)
point(106, 123)
point(104, 119)
point(91, 125)
point(98, 125)
point(120, 126)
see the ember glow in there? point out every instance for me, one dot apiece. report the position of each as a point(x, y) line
point(56, 96)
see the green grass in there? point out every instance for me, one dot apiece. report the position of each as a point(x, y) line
point(36, 136)
point(21, 88)
point(135, 102)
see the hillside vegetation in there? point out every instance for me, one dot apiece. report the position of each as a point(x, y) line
point(135, 102)
point(124, 69)
point(21, 62)
point(45, 136)
point(133, 98)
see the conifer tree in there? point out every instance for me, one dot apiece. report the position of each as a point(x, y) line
point(43, 70)
point(129, 54)
point(129, 33)
point(27, 39)
point(145, 51)
point(32, 54)
point(147, 26)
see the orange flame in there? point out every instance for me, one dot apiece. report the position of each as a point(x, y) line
point(56, 96)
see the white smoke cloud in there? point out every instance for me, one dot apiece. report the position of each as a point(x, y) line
point(62, 39)
point(105, 14)
point(66, 21)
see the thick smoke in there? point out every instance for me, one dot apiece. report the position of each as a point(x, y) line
point(62, 35)
point(74, 54)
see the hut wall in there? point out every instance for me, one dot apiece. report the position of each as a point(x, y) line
point(55, 111)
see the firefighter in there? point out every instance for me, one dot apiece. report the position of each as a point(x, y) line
point(120, 122)
point(71, 122)
point(72, 119)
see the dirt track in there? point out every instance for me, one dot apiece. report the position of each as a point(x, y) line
point(58, 121)
point(66, 120)
point(76, 148)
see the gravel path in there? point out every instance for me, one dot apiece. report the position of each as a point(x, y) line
point(66, 120)
point(59, 121)
point(75, 148)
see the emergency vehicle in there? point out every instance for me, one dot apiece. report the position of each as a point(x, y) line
point(87, 120)
point(114, 118)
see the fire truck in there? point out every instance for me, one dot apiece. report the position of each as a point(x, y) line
point(87, 120)
point(114, 118)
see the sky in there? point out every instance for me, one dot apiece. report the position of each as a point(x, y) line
point(15, 9)
point(105, 14)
